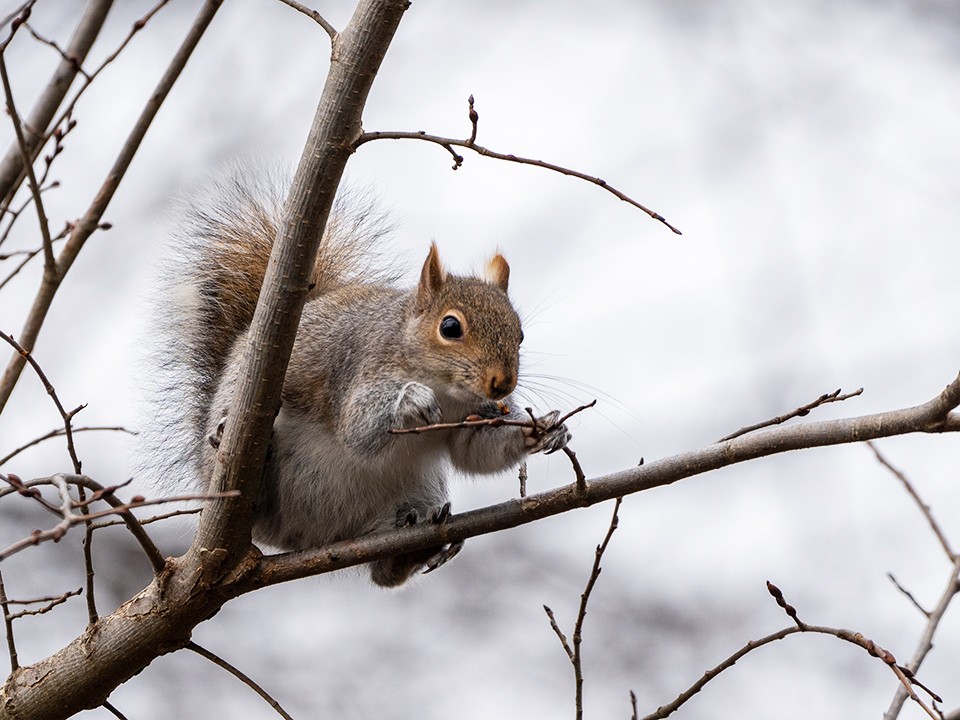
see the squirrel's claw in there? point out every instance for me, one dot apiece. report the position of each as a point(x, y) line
point(216, 437)
point(445, 555)
point(546, 436)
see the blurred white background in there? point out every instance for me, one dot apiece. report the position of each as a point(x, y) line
point(808, 151)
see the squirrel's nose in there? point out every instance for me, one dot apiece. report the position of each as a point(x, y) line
point(500, 384)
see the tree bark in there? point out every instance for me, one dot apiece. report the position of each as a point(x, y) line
point(217, 567)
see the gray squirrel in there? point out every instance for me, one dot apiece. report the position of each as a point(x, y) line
point(368, 358)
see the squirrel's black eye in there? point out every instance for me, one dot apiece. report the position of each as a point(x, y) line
point(451, 328)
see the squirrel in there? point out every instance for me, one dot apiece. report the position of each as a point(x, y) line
point(368, 358)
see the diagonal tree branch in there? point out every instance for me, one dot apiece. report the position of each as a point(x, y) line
point(931, 417)
point(90, 222)
point(44, 110)
point(357, 53)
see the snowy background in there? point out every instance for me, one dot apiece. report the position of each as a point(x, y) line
point(809, 151)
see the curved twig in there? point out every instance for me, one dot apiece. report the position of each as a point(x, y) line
point(470, 144)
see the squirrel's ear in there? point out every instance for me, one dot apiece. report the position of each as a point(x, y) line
point(498, 272)
point(432, 277)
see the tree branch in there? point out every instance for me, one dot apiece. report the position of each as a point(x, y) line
point(85, 227)
point(449, 143)
point(355, 60)
point(801, 411)
point(931, 417)
point(12, 167)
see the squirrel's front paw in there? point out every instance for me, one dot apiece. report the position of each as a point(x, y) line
point(546, 435)
point(417, 406)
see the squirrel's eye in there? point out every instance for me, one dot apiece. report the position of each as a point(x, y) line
point(451, 328)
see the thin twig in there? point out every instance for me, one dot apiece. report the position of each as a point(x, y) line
point(116, 713)
point(69, 518)
point(799, 627)
point(490, 422)
point(48, 386)
point(556, 628)
point(905, 675)
point(50, 264)
point(147, 521)
point(50, 604)
point(573, 652)
point(91, 220)
point(242, 677)
point(577, 470)
point(59, 432)
point(926, 640)
point(314, 15)
point(8, 626)
point(909, 595)
point(470, 143)
point(801, 411)
point(924, 508)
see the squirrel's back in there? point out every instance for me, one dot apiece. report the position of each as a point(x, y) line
point(212, 278)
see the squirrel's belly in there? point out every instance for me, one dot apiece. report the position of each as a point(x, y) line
point(317, 491)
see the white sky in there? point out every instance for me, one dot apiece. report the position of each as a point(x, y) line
point(809, 153)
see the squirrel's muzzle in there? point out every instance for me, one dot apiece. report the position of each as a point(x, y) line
point(500, 383)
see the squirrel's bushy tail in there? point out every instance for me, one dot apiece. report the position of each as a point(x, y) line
point(213, 275)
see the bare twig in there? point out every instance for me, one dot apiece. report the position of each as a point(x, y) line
point(149, 520)
point(241, 676)
point(801, 411)
point(909, 595)
point(43, 111)
point(116, 713)
point(577, 470)
point(449, 143)
point(905, 675)
point(59, 432)
point(799, 627)
point(91, 219)
point(50, 265)
point(69, 518)
point(573, 653)
point(8, 626)
point(49, 604)
point(48, 386)
point(926, 640)
point(475, 422)
point(924, 508)
point(314, 15)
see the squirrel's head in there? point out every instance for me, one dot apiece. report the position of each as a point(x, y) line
point(466, 330)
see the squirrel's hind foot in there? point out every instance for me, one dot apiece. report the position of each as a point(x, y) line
point(396, 570)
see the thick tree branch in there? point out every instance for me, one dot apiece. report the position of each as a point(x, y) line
point(357, 53)
point(931, 417)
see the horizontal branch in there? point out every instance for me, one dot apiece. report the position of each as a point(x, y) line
point(934, 416)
